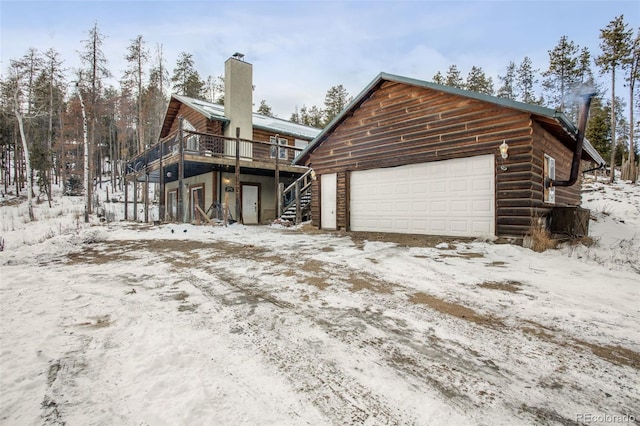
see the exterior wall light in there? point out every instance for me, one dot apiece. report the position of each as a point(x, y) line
point(504, 148)
point(313, 175)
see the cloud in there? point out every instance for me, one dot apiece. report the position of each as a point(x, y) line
point(301, 49)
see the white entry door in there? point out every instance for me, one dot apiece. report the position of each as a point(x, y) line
point(249, 204)
point(328, 184)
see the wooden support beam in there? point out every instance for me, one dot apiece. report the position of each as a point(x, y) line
point(204, 215)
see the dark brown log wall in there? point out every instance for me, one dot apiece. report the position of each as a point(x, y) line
point(264, 151)
point(546, 144)
point(261, 151)
point(342, 205)
point(315, 202)
point(197, 120)
point(402, 124)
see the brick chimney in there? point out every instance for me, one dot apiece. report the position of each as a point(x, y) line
point(238, 96)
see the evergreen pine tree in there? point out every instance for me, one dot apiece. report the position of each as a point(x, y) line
point(295, 116)
point(154, 103)
point(316, 117)
point(439, 78)
point(632, 77)
point(598, 130)
point(615, 45)
point(507, 89)
point(477, 81)
point(91, 80)
point(265, 109)
point(562, 76)
point(186, 80)
point(454, 78)
point(525, 80)
point(137, 56)
point(48, 101)
point(334, 102)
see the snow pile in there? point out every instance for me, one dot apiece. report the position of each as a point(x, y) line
point(614, 225)
point(131, 323)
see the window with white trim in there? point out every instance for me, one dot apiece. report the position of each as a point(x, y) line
point(549, 178)
point(192, 140)
point(300, 143)
point(283, 150)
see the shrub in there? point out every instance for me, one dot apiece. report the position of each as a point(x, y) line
point(73, 185)
point(539, 238)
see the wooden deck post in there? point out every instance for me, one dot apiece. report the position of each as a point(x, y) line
point(126, 198)
point(146, 196)
point(298, 201)
point(162, 199)
point(135, 198)
point(238, 200)
point(181, 209)
point(277, 176)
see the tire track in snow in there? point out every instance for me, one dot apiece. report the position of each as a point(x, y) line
point(316, 373)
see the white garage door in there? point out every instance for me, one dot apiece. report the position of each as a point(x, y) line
point(450, 197)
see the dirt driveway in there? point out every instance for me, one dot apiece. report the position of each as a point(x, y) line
point(312, 328)
point(488, 367)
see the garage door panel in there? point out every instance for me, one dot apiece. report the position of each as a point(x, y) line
point(459, 226)
point(419, 207)
point(481, 228)
point(451, 197)
point(460, 185)
point(482, 185)
point(438, 186)
point(483, 206)
point(459, 206)
point(419, 188)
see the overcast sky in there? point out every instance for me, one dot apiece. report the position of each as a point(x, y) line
point(300, 49)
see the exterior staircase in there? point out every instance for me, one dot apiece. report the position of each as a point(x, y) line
point(296, 199)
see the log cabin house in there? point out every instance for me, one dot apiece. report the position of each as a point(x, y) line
point(210, 156)
point(414, 157)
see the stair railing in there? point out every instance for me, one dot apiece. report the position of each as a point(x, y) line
point(295, 192)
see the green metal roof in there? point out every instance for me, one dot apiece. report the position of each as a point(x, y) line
point(272, 124)
point(569, 129)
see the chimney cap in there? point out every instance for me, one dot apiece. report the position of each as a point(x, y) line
point(239, 56)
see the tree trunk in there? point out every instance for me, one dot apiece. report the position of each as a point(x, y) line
point(87, 186)
point(613, 125)
point(632, 159)
point(25, 150)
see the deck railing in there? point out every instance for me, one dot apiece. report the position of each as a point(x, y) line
point(208, 145)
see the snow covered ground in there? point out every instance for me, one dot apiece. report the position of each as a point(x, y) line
point(131, 324)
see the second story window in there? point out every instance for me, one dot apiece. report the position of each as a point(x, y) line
point(192, 140)
point(282, 149)
point(300, 143)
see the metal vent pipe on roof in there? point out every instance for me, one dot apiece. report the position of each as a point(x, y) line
point(577, 153)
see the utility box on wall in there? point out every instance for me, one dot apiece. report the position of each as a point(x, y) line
point(571, 221)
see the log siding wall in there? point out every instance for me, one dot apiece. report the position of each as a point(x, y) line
point(565, 196)
point(197, 120)
point(403, 124)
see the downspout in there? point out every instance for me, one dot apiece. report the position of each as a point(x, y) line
point(577, 153)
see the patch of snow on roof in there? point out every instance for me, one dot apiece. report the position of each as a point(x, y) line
point(259, 120)
point(273, 123)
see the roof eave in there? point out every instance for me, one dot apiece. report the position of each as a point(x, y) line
point(564, 122)
point(282, 132)
point(337, 119)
